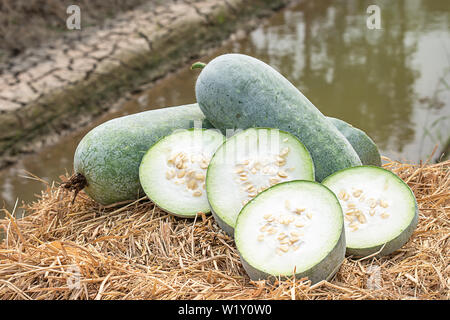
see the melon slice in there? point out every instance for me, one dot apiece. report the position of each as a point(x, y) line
point(172, 172)
point(380, 210)
point(248, 163)
point(293, 228)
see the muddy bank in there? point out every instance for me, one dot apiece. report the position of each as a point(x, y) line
point(57, 87)
point(48, 20)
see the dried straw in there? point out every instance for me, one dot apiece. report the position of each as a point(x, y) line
point(134, 250)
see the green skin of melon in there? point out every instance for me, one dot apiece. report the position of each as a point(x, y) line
point(324, 270)
point(390, 246)
point(109, 155)
point(236, 91)
point(364, 146)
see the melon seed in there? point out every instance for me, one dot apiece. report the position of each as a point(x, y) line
point(181, 174)
point(281, 163)
point(384, 204)
point(284, 152)
point(170, 174)
point(361, 218)
point(171, 160)
point(282, 236)
point(273, 181)
point(353, 224)
point(239, 169)
point(282, 174)
point(357, 193)
point(192, 184)
point(197, 193)
point(349, 218)
point(200, 176)
point(190, 173)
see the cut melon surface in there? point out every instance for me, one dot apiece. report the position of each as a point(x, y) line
point(380, 210)
point(173, 171)
point(292, 228)
point(248, 163)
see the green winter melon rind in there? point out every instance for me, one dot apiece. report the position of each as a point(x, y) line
point(109, 155)
point(388, 247)
point(323, 270)
point(236, 91)
point(364, 146)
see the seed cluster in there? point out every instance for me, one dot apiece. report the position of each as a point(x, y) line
point(189, 170)
point(272, 168)
point(354, 215)
point(286, 227)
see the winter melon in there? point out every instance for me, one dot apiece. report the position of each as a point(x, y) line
point(364, 146)
point(237, 91)
point(380, 210)
point(107, 158)
point(248, 163)
point(173, 171)
point(293, 228)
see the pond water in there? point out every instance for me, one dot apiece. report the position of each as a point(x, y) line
point(393, 82)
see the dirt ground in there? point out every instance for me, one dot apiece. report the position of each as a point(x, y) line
point(29, 23)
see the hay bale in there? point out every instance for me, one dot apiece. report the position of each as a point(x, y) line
point(133, 250)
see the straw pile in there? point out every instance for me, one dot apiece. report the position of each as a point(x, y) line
point(135, 251)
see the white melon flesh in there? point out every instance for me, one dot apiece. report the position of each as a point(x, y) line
point(294, 228)
point(380, 210)
point(249, 162)
point(173, 171)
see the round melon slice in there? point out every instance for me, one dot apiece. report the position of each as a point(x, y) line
point(380, 210)
point(293, 228)
point(172, 172)
point(249, 162)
